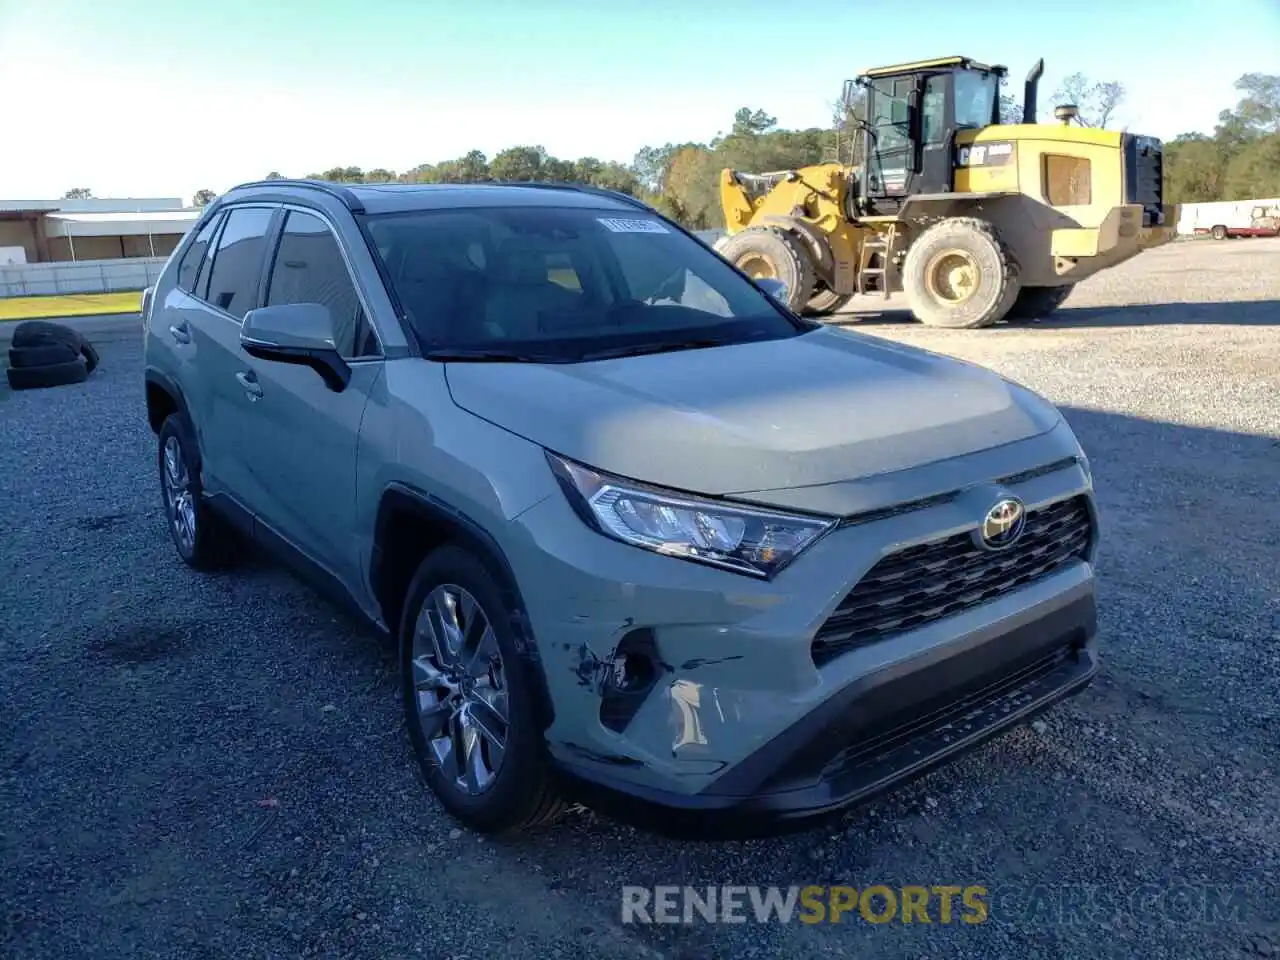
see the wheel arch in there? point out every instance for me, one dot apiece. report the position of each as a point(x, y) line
point(410, 524)
point(164, 397)
point(928, 206)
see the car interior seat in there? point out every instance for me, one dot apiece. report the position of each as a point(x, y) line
point(443, 290)
point(523, 300)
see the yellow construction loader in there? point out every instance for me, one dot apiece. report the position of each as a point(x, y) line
point(974, 220)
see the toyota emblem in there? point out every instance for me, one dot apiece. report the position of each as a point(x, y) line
point(1003, 524)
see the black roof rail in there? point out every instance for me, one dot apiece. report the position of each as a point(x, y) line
point(617, 195)
point(356, 205)
point(576, 187)
point(348, 197)
point(544, 184)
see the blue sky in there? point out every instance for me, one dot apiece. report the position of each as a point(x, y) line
point(163, 97)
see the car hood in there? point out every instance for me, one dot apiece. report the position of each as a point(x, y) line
point(818, 408)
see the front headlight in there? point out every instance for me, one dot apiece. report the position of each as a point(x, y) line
point(748, 540)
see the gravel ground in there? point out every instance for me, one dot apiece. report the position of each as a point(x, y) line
point(214, 766)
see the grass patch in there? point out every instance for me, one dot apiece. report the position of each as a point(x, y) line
point(69, 305)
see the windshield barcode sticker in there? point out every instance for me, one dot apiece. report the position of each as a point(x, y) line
point(623, 225)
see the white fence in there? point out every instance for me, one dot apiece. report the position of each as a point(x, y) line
point(86, 276)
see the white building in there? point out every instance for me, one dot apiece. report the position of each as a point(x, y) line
point(42, 231)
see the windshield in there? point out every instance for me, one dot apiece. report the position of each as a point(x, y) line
point(564, 284)
point(975, 98)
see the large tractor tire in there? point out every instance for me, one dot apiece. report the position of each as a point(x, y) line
point(49, 375)
point(958, 274)
point(1035, 303)
point(42, 354)
point(42, 335)
point(30, 333)
point(767, 252)
point(826, 301)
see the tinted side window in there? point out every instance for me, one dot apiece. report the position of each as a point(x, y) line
point(889, 115)
point(309, 269)
point(935, 109)
point(237, 263)
point(189, 268)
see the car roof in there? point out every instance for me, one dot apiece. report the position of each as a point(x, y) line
point(375, 198)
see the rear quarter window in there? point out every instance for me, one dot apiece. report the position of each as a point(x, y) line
point(189, 266)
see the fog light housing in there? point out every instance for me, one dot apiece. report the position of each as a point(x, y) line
point(633, 673)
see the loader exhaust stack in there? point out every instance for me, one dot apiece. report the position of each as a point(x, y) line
point(1029, 92)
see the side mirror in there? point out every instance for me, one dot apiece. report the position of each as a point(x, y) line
point(144, 308)
point(774, 288)
point(300, 333)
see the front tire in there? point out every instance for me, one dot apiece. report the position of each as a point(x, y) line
point(1219, 232)
point(204, 540)
point(766, 252)
point(959, 275)
point(469, 699)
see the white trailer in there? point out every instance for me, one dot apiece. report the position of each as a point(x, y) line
point(1233, 216)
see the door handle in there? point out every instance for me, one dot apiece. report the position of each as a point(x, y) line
point(249, 380)
point(181, 333)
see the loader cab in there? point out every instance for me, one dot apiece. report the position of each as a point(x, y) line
point(910, 116)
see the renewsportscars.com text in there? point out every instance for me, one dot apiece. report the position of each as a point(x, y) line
point(1074, 903)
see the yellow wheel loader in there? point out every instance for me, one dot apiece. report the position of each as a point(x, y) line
point(974, 220)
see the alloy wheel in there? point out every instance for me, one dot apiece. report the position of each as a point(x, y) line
point(179, 502)
point(460, 687)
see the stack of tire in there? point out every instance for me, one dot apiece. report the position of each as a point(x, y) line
point(44, 354)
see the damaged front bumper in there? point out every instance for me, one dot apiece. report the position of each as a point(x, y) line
point(876, 733)
point(678, 690)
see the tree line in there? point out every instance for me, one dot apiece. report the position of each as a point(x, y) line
point(1239, 160)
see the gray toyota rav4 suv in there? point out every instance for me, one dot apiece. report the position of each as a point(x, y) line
point(647, 540)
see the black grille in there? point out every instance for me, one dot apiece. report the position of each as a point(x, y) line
point(1144, 176)
point(930, 581)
